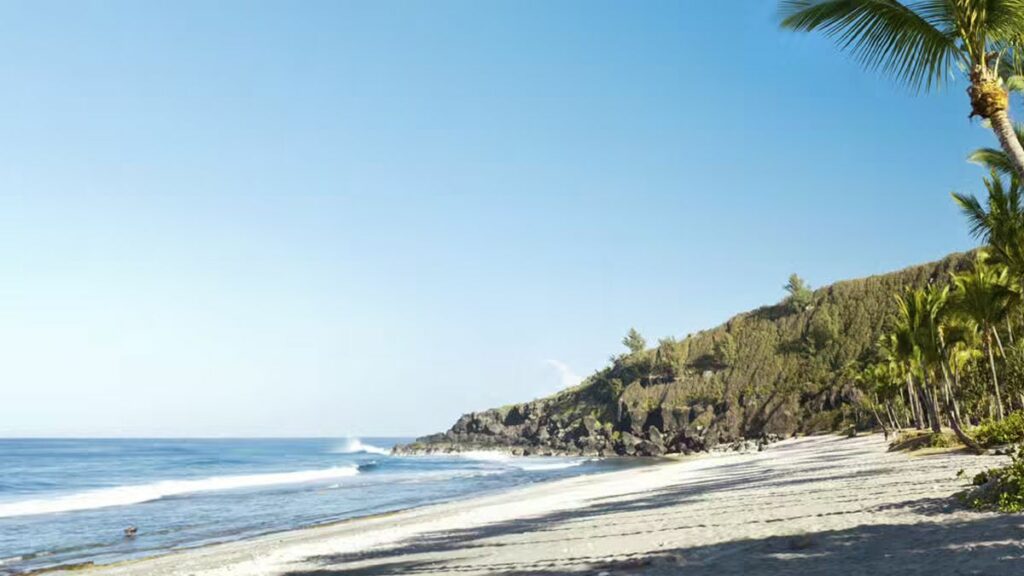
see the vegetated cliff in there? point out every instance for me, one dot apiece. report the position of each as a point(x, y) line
point(774, 371)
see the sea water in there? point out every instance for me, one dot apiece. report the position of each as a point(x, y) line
point(69, 501)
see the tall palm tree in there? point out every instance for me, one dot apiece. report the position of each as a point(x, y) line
point(983, 296)
point(931, 305)
point(917, 339)
point(925, 313)
point(956, 339)
point(896, 348)
point(925, 42)
point(962, 344)
point(996, 158)
point(999, 223)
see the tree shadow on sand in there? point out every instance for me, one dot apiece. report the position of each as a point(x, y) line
point(936, 545)
point(987, 545)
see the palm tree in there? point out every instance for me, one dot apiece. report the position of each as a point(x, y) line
point(882, 388)
point(996, 158)
point(925, 42)
point(896, 348)
point(917, 340)
point(935, 340)
point(956, 340)
point(931, 307)
point(983, 296)
point(999, 223)
point(962, 345)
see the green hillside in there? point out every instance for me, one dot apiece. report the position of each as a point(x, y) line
point(777, 370)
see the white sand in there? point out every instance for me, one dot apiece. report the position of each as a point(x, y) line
point(822, 505)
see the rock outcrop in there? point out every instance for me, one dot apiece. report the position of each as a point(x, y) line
point(536, 429)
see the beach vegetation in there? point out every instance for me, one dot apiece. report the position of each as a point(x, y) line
point(634, 341)
point(799, 295)
point(998, 432)
point(1000, 489)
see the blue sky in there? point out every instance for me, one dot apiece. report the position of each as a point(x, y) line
point(328, 218)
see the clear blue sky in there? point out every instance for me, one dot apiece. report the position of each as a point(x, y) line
point(327, 218)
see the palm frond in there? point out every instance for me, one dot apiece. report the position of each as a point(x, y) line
point(914, 44)
point(993, 159)
point(977, 217)
point(996, 158)
point(1003, 19)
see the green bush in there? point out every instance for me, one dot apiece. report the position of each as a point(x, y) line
point(1009, 430)
point(943, 440)
point(999, 488)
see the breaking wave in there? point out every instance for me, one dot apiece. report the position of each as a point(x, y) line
point(124, 495)
point(356, 446)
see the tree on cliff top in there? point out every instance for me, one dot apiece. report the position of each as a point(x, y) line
point(800, 294)
point(634, 341)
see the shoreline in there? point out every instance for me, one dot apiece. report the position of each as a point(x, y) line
point(803, 505)
point(300, 532)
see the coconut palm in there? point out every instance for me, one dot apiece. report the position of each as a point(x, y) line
point(936, 341)
point(896, 349)
point(957, 338)
point(882, 386)
point(999, 223)
point(923, 43)
point(962, 343)
point(996, 158)
point(983, 296)
point(870, 386)
point(931, 307)
point(917, 338)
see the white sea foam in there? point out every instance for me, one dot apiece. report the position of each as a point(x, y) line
point(357, 446)
point(539, 466)
point(124, 495)
point(484, 456)
point(522, 462)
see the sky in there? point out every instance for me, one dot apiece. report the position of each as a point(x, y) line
point(367, 218)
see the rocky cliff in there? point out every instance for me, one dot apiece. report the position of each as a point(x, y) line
point(771, 372)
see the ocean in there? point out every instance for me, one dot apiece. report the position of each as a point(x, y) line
point(69, 501)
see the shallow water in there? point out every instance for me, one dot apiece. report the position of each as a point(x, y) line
point(68, 501)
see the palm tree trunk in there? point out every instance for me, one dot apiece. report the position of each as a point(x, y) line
point(954, 419)
point(892, 417)
point(950, 397)
point(911, 400)
point(995, 379)
point(999, 342)
point(956, 386)
point(873, 402)
point(932, 405)
point(1003, 128)
point(962, 436)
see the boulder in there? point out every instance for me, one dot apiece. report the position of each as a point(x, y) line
point(655, 436)
point(628, 444)
point(648, 448)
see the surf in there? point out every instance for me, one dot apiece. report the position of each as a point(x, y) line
point(357, 446)
point(138, 494)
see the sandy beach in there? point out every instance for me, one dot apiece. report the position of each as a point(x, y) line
point(818, 505)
